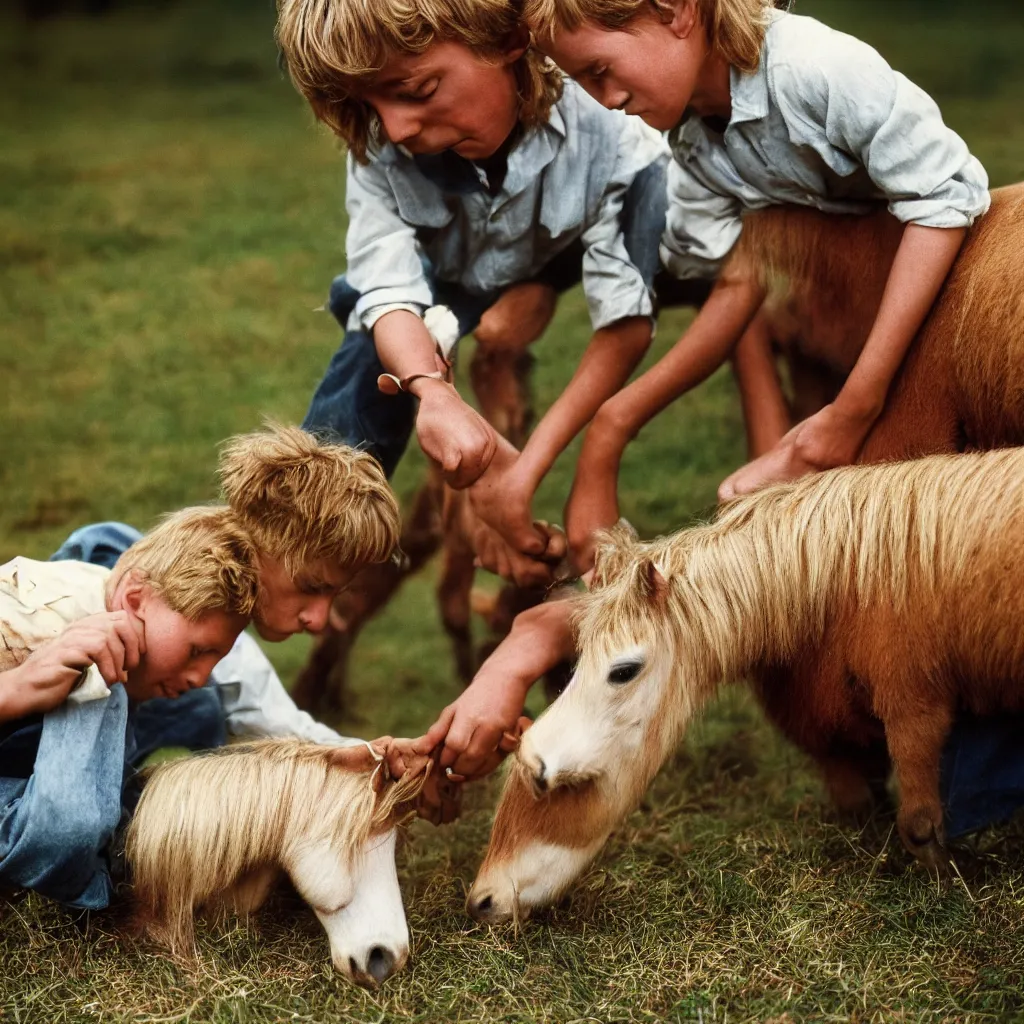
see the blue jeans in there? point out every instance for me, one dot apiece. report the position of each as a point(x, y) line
point(347, 405)
point(63, 774)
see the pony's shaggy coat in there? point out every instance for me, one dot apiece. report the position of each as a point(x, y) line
point(213, 831)
point(899, 584)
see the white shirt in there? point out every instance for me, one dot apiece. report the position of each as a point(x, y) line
point(39, 600)
point(824, 122)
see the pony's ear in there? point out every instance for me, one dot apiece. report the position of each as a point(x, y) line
point(610, 545)
point(655, 584)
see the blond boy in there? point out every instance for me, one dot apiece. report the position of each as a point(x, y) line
point(79, 645)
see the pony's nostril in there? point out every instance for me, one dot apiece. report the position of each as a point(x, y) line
point(484, 905)
point(540, 777)
point(353, 966)
point(380, 964)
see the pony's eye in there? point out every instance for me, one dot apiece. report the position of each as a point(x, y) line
point(625, 673)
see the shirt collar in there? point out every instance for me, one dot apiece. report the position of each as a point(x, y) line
point(749, 93)
point(535, 150)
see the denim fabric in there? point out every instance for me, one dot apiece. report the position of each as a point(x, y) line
point(56, 823)
point(347, 405)
point(823, 122)
point(982, 772)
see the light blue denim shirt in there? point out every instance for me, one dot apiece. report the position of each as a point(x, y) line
point(824, 122)
point(566, 180)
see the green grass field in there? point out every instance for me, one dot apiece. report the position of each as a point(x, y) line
point(171, 218)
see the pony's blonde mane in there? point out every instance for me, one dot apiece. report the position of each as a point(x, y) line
point(204, 823)
point(768, 571)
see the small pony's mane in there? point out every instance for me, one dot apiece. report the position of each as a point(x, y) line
point(206, 822)
point(766, 573)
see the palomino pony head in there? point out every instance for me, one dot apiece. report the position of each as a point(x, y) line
point(617, 718)
point(585, 763)
point(539, 846)
point(214, 832)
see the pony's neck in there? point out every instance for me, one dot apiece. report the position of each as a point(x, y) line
point(738, 606)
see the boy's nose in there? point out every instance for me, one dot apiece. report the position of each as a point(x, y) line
point(314, 617)
point(400, 122)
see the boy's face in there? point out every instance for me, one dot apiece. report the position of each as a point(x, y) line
point(299, 604)
point(447, 97)
point(649, 68)
point(180, 654)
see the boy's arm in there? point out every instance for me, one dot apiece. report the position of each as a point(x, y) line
point(472, 727)
point(622, 310)
point(503, 500)
point(450, 432)
point(729, 309)
point(46, 677)
point(384, 266)
point(834, 435)
point(859, 105)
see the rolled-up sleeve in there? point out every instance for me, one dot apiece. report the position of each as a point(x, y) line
point(613, 284)
point(701, 226)
point(384, 263)
point(851, 98)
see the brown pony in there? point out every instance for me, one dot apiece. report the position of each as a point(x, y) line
point(901, 582)
point(957, 390)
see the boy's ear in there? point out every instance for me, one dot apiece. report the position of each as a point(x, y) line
point(516, 44)
point(684, 18)
point(134, 594)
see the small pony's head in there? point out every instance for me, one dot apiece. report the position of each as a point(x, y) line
point(353, 885)
point(540, 844)
point(212, 834)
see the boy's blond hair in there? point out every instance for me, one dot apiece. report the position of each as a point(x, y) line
point(334, 48)
point(735, 28)
point(199, 560)
point(305, 500)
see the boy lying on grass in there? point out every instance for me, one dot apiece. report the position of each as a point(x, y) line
point(316, 513)
point(81, 645)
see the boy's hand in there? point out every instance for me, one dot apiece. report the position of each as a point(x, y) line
point(825, 440)
point(501, 498)
point(451, 433)
point(494, 555)
point(485, 723)
point(109, 640)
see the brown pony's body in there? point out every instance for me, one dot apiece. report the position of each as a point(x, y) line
point(961, 387)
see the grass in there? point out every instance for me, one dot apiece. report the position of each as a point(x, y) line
point(171, 219)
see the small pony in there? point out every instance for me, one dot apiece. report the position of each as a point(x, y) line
point(215, 832)
point(896, 587)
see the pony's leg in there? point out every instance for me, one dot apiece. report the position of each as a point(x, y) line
point(766, 415)
point(916, 735)
point(856, 783)
point(250, 893)
point(456, 583)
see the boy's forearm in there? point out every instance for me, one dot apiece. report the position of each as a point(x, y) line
point(611, 356)
point(404, 344)
point(922, 263)
point(706, 344)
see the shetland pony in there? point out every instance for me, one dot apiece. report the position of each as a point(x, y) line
point(901, 582)
point(215, 832)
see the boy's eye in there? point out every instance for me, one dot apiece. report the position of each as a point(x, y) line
point(424, 90)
